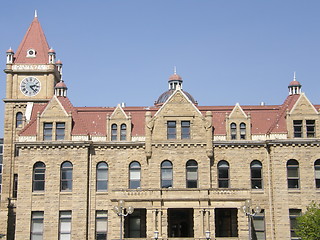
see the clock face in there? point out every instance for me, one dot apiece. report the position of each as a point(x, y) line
point(30, 86)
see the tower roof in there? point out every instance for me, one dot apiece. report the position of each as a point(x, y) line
point(35, 40)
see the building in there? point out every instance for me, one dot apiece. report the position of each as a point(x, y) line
point(1, 153)
point(187, 170)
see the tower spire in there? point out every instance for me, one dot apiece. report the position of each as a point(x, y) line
point(34, 47)
point(35, 14)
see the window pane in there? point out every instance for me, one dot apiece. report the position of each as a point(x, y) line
point(134, 174)
point(293, 183)
point(102, 185)
point(192, 174)
point(102, 174)
point(292, 172)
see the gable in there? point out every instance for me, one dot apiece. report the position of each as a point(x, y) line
point(118, 113)
point(303, 106)
point(237, 113)
point(178, 104)
point(54, 109)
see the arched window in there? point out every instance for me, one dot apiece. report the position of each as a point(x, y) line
point(242, 131)
point(114, 132)
point(293, 173)
point(256, 174)
point(233, 131)
point(19, 119)
point(317, 172)
point(66, 176)
point(102, 176)
point(123, 132)
point(166, 174)
point(39, 170)
point(223, 174)
point(135, 175)
point(192, 174)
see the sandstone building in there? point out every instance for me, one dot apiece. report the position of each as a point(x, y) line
point(187, 170)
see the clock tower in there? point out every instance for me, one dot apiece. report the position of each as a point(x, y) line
point(31, 75)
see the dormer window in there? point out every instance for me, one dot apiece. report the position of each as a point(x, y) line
point(31, 53)
point(304, 128)
point(123, 132)
point(242, 131)
point(114, 130)
point(56, 130)
point(233, 131)
point(185, 129)
point(171, 130)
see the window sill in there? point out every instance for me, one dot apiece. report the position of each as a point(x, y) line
point(38, 193)
point(102, 192)
point(294, 191)
point(66, 192)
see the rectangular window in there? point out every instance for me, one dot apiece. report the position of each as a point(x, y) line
point(297, 128)
point(15, 186)
point(171, 129)
point(185, 129)
point(101, 225)
point(135, 224)
point(293, 214)
point(47, 131)
point(60, 131)
point(311, 128)
point(36, 225)
point(226, 222)
point(181, 223)
point(259, 226)
point(65, 225)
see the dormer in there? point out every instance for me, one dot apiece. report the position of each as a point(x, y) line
point(303, 119)
point(54, 123)
point(119, 125)
point(238, 124)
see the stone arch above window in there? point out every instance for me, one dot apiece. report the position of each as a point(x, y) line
point(166, 174)
point(256, 174)
point(293, 174)
point(317, 172)
point(19, 119)
point(102, 176)
point(38, 179)
point(192, 174)
point(134, 175)
point(66, 176)
point(223, 174)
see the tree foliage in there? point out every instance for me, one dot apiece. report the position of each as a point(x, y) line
point(308, 225)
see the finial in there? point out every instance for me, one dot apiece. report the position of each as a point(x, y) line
point(175, 70)
point(35, 14)
point(294, 76)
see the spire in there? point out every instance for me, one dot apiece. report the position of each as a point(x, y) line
point(34, 47)
point(35, 14)
point(294, 86)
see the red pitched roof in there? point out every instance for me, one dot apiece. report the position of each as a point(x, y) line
point(33, 39)
point(92, 120)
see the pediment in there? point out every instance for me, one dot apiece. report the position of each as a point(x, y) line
point(303, 106)
point(178, 104)
point(54, 109)
point(118, 113)
point(238, 113)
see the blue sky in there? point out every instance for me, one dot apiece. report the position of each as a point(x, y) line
point(226, 51)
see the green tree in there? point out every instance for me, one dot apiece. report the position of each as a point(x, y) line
point(308, 225)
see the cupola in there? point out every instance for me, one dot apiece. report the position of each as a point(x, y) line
point(10, 54)
point(60, 90)
point(52, 56)
point(59, 66)
point(294, 86)
point(175, 82)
